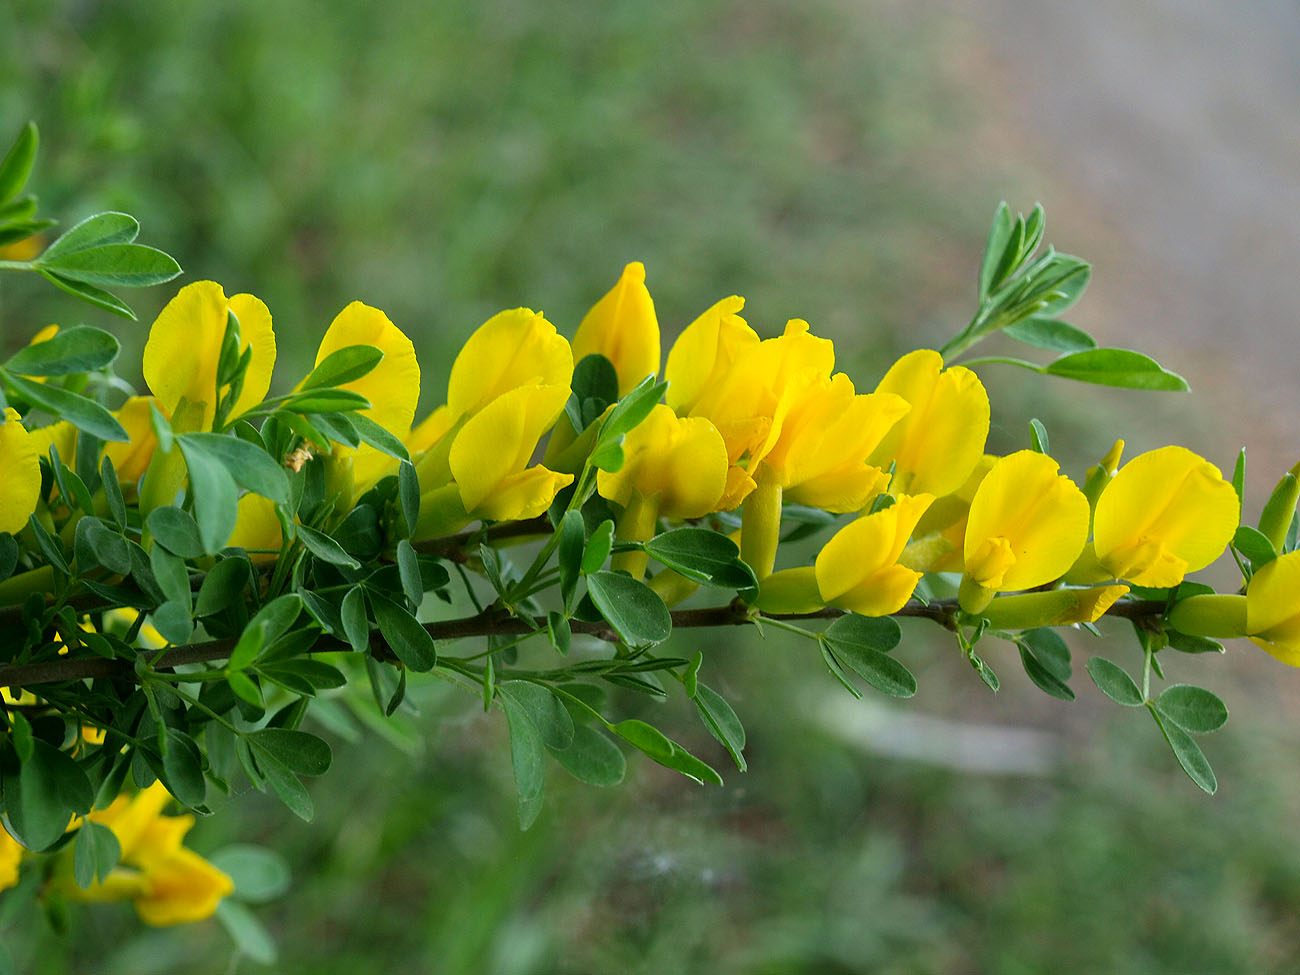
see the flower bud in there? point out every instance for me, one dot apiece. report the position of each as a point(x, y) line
point(1279, 510)
point(1217, 616)
point(1059, 607)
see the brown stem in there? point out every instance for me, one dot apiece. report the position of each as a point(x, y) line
point(488, 623)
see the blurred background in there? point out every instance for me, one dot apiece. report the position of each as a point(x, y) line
point(833, 161)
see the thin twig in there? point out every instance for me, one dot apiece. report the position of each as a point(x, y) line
point(488, 623)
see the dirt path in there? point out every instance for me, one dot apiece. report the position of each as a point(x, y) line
point(1167, 136)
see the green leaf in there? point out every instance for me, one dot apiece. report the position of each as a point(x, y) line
point(722, 722)
point(632, 609)
point(325, 548)
point(355, 624)
point(175, 530)
point(569, 554)
point(248, 690)
point(327, 400)
point(1194, 709)
point(544, 708)
point(1116, 367)
point(1114, 681)
point(43, 797)
point(17, 164)
point(852, 632)
point(608, 457)
point(1252, 544)
point(528, 757)
point(403, 633)
point(88, 292)
point(95, 231)
point(343, 365)
point(112, 492)
point(408, 569)
point(336, 426)
point(1038, 437)
point(113, 265)
point(97, 852)
point(222, 585)
point(298, 751)
point(71, 350)
point(1050, 333)
point(1192, 644)
point(96, 544)
point(8, 555)
point(216, 506)
point(595, 386)
point(704, 556)
point(278, 616)
point(665, 751)
point(881, 671)
point(379, 438)
point(408, 493)
point(598, 547)
point(559, 630)
point(1239, 477)
point(1047, 681)
point(592, 758)
point(1188, 753)
point(250, 465)
point(22, 736)
point(259, 874)
point(183, 769)
point(248, 933)
point(999, 251)
point(1050, 650)
point(631, 409)
point(82, 413)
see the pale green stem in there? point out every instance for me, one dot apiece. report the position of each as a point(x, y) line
point(636, 524)
point(760, 523)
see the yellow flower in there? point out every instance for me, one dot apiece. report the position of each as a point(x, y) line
point(827, 433)
point(858, 568)
point(257, 529)
point(181, 356)
point(131, 459)
point(1273, 608)
point(1164, 514)
point(507, 388)
point(167, 883)
point(20, 485)
point(681, 462)
point(1027, 525)
point(623, 328)
point(704, 352)
point(392, 387)
point(11, 853)
point(672, 467)
point(939, 442)
point(488, 464)
point(511, 349)
point(945, 522)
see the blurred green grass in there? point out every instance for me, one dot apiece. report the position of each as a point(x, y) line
point(445, 161)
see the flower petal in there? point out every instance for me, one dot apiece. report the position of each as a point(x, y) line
point(1164, 513)
point(623, 328)
point(939, 442)
point(511, 349)
point(705, 351)
point(20, 485)
point(498, 440)
point(393, 386)
point(1027, 524)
